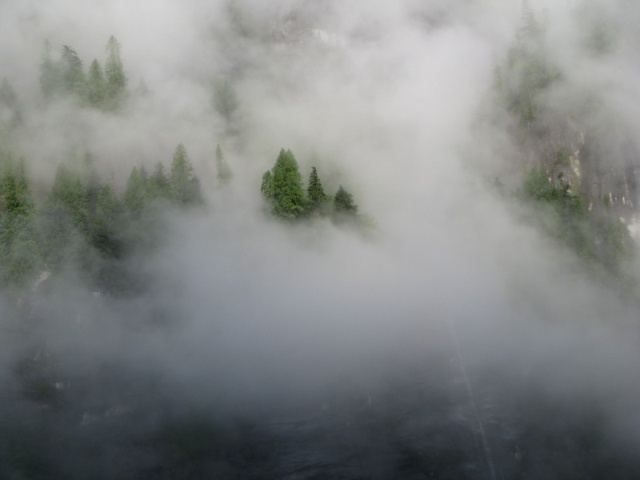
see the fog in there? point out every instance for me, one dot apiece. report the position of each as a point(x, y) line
point(242, 315)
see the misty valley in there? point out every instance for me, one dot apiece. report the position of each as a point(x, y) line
point(310, 239)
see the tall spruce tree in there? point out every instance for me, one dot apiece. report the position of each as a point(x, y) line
point(267, 185)
point(283, 187)
point(160, 187)
point(116, 80)
point(343, 203)
point(316, 198)
point(106, 221)
point(19, 252)
point(135, 194)
point(71, 194)
point(96, 89)
point(73, 78)
point(185, 186)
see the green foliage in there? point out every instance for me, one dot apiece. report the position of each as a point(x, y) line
point(96, 87)
point(64, 219)
point(282, 187)
point(99, 89)
point(343, 203)
point(73, 79)
point(136, 194)
point(70, 193)
point(106, 222)
point(83, 225)
point(19, 253)
point(16, 196)
point(527, 74)
point(267, 185)
point(159, 183)
point(599, 238)
point(317, 200)
point(563, 159)
point(185, 186)
point(116, 80)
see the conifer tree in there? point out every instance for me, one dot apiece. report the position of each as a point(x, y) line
point(283, 187)
point(528, 72)
point(343, 203)
point(19, 253)
point(185, 186)
point(160, 187)
point(96, 85)
point(106, 222)
point(14, 190)
point(135, 195)
point(316, 198)
point(267, 185)
point(73, 79)
point(116, 80)
point(69, 192)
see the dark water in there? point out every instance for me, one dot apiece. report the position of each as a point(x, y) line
point(411, 423)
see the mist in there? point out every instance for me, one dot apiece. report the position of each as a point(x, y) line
point(452, 323)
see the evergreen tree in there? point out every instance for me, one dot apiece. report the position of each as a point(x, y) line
point(106, 222)
point(283, 187)
point(267, 185)
point(70, 195)
point(67, 218)
point(60, 240)
point(116, 80)
point(316, 198)
point(160, 186)
point(343, 203)
point(135, 195)
point(72, 76)
point(19, 253)
point(96, 88)
point(223, 170)
point(528, 73)
point(17, 199)
point(185, 186)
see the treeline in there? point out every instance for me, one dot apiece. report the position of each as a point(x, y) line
point(287, 199)
point(82, 224)
point(103, 88)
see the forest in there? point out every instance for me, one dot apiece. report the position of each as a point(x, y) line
point(311, 239)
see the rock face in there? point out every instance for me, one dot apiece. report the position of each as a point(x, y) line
point(608, 169)
point(303, 25)
point(570, 127)
point(602, 168)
